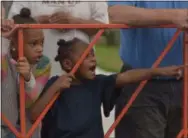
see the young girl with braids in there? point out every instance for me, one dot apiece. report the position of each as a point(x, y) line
point(77, 111)
point(33, 67)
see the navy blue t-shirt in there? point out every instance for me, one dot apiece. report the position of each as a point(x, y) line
point(77, 111)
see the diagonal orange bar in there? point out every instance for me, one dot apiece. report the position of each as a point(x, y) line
point(141, 86)
point(11, 127)
point(22, 90)
point(185, 86)
point(91, 45)
point(99, 26)
point(181, 133)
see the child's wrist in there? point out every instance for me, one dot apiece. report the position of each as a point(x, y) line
point(31, 83)
point(56, 88)
point(155, 72)
point(27, 77)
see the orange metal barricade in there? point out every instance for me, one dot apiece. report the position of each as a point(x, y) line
point(23, 134)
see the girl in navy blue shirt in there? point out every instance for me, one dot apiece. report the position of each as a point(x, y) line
point(77, 111)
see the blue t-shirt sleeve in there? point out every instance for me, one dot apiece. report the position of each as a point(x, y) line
point(129, 3)
point(109, 93)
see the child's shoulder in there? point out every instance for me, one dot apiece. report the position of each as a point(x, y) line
point(53, 79)
point(101, 80)
point(43, 66)
point(102, 77)
point(44, 61)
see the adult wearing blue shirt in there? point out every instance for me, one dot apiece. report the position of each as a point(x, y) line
point(156, 113)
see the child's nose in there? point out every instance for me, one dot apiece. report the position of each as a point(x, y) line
point(93, 59)
point(39, 49)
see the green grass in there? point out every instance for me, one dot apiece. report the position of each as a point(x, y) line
point(108, 58)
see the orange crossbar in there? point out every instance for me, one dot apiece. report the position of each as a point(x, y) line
point(101, 26)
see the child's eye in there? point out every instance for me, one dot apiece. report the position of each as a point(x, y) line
point(32, 44)
point(41, 43)
point(35, 44)
point(91, 54)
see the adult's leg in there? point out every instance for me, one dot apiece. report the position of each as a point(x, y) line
point(10, 135)
point(6, 133)
point(175, 112)
point(147, 118)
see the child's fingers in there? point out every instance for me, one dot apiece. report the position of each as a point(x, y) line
point(70, 76)
point(9, 33)
point(22, 67)
point(21, 70)
point(11, 23)
point(14, 28)
point(22, 59)
point(179, 74)
point(21, 64)
point(70, 79)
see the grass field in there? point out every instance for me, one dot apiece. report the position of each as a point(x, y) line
point(108, 58)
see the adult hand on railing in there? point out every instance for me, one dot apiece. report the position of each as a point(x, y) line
point(43, 19)
point(8, 28)
point(60, 17)
point(181, 19)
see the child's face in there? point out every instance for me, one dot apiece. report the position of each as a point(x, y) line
point(33, 45)
point(88, 66)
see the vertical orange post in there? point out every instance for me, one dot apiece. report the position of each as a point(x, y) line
point(22, 91)
point(181, 133)
point(185, 85)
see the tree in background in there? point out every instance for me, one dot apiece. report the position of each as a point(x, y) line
point(112, 37)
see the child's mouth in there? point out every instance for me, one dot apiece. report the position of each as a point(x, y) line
point(92, 69)
point(37, 58)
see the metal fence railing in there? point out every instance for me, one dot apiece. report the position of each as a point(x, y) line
point(23, 134)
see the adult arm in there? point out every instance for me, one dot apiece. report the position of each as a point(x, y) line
point(128, 13)
point(99, 15)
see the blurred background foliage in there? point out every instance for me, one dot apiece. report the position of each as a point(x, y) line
point(107, 51)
